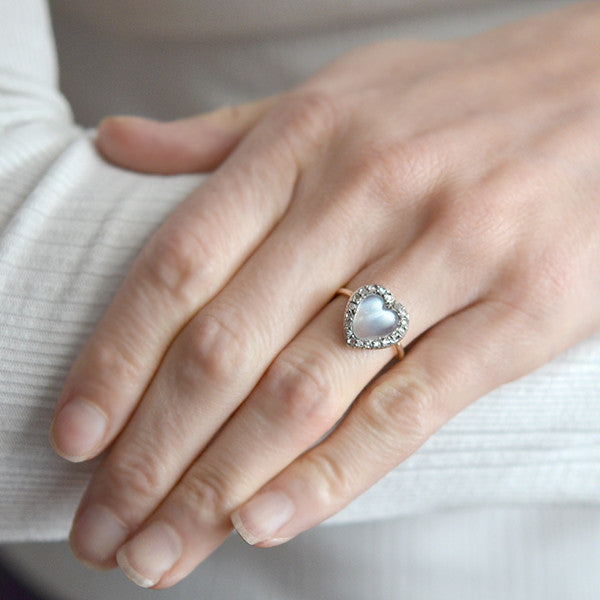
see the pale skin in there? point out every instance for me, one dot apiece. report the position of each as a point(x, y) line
point(464, 176)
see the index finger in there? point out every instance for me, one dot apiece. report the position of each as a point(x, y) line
point(184, 265)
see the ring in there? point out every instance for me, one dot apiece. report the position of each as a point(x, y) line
point(374, 319)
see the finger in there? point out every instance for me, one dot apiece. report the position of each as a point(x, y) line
point(304, 392)
point(220, 355)
point(185, 264)
point(455, 363)
point(196, 144)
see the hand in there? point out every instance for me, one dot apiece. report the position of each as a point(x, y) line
point(463, 176)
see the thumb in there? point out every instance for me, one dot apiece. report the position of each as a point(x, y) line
point(198, 143)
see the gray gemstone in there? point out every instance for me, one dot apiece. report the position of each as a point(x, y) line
point(373, 320)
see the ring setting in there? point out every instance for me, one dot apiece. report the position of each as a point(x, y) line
point(374, 318)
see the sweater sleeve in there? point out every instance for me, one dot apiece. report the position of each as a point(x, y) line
point(70, 226)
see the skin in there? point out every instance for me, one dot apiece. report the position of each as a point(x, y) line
point(462, 175)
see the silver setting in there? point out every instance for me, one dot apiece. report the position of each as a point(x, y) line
point(390, 303)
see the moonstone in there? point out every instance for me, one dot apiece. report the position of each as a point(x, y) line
point(373, 319)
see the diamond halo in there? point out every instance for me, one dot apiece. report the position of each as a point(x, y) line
point(390, 304)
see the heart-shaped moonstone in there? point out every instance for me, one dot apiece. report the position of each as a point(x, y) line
point(373, 320)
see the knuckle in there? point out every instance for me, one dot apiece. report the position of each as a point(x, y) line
point(392, 169)
point(402, 413)
point(329, 480)
point(181, 260)
point(478, 228)
point(309, 115)
point(303, 391)
point(540, 287)
point(553, 275)
point(115, 361)
point(508, 225)
point(207, 497)
point(546, 274)
point(213, 347)
point(139, 475)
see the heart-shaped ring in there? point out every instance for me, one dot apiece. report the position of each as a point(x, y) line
point(374, 319)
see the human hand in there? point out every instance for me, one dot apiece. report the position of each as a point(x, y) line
point(463, 176)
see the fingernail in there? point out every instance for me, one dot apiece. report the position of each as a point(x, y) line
point(262, 517)
point(96, 536)
point(152, 553)
point(78, 429)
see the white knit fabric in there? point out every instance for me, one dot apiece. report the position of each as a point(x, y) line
point(70, 226)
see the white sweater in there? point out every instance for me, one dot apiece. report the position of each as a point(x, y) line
point(70, 226)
